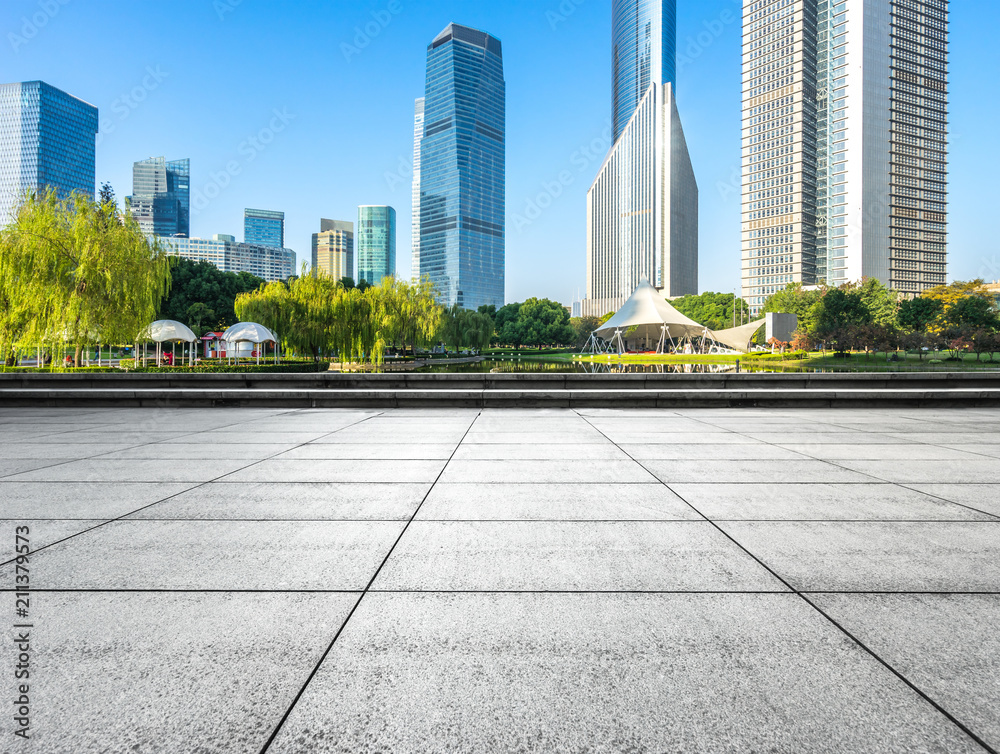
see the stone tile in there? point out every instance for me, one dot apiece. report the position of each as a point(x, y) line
point(368, 452)
point(30, 451)
point(529, 472)
point(941, 643)
point(605, 673)
point(98, 470)
point(986, 449)
point(542, 438)
point(246, 438)
point(672, 438)
point(87, 500)
point(217, 555)
point(182, 672)
point(982, 497)
point(671, 471)
point(868, 452)
point(11, 467)
point(291, 501)
point(711, 453)
point(278, 470)
point(539, 452)
point(395, 436)
point(546, 502)
point(968, 471)
point(820, 502)
point(877, 556)
point(526, 556)
point(201, 452)
point(42, 533)
point(820, 436)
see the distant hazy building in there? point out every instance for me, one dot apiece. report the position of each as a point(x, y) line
point(845, 144)
point(264, 228)
point(376, 243)
point(418, 135)
point(642, 209)
point(47, 139)
point(333, 249)
point(229, 256)
point(462, 169)
point(161, 196)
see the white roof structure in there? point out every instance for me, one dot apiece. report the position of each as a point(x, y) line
point(168, 331)
point(648, 312)
point(249, 332)
point(738, 338)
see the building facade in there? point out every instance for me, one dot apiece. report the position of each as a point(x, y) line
point(418, 135)
point(463, 169)
point(48, 139)
point(642, 209)
point(845, 128)
point(161, 197)
point(333, 249)
point(224, 252)
point(264, 227)
point(376, 243)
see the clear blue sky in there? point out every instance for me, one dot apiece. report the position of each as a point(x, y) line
point(225, 67)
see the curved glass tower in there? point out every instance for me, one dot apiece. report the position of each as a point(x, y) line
point(376, 243)
point(644, 52)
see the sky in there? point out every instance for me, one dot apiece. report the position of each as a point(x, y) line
point(306, 106)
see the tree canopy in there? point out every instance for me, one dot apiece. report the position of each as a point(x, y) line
point(204, 295)
point(713, 310)
point(534, 323)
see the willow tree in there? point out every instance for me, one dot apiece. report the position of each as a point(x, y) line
point(78, 272)
point(464, 328)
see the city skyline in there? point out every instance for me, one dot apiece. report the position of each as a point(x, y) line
point(546, 246)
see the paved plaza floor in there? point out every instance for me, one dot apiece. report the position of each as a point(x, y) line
point(449, 580)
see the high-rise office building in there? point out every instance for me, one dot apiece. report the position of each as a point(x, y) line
point(47, 140)
point(269, 263)
point(418, 135)
point(264, 228)
point(376, 243)
point(161, 197)
point(642, 209)
point(333, 249)
point(463, 168)
point(845, 127)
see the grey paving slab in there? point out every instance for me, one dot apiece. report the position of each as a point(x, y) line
point(98, 470)
point(622, 471)
point(230, 437)
point(182, 672)
point(949, 438)
point(546, 502)
point(941, 643)
point(103, 500)
point(820, 502)
point(42, 451)
point(539, 452)
point(582, 437)
point(819, 436)
point(391, 436)
point(877, 556)
point(291, 501)
point(371, 452)
point(11, 467)
point(200, 451)
point(278, 470)
point(985, 449)
point(805, 470)
point(589, 556)
point(42, 533)
point(605, 673)
point(726, 452)
point(966, 471)
point(217, 555)
point(112, 435)
point(983, 497)
point(670, 424)
point(677, 438)
point(895, 452)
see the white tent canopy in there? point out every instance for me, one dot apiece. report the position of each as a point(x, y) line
point(249, 332)
point(168, 331)
point(649, 313)
point(738, 338)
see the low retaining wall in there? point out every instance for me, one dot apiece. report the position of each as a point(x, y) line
point(567, 390)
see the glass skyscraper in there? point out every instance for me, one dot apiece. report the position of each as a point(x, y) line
point(644, 52)
point(463, 169)
point(418, 135)
point(47, 139)
point(376, 243)
point(161, 197)
point(264, 228)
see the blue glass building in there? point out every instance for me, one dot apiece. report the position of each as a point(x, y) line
point(376, 243)
point(161, 197)
point(644, 52)
point(264, 228)
point(463, 169)
point(47, 139)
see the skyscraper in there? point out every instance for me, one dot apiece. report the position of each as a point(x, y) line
point(333, 249)
point(161, 196)
point(264, 228)
point(376, 243)
point(845, 126)
point(418, 135)
point(642, 209)
point(47, 139)
point(463, 168)
point(267, 262)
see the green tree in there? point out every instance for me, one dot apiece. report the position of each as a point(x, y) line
point(199, 317)
point(535, 322)
point(714, 310)
point(975, 312)
point(584, 327)
point(917, 315)
point(881, 303)
point(204, 283)
point(794, 299)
